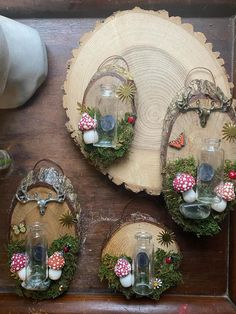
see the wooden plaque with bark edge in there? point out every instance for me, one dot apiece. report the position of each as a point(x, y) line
point(121, 240)
point(194, 134)
point(29, 214)
point(160, 51)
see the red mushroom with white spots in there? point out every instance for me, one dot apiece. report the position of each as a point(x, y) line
point(88, 126)
point(184, 183)
point(18, 265)
point(123, 271)
point(55, 264)
point(226, 193)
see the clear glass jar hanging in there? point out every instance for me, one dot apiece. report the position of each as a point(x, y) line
point(142, 265)
point(36, 254)
point(210, 173)
point(108, 104)
point(107, 119)
point(5, 162)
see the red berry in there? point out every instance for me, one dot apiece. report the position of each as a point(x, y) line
point(168, 260)
point(131, 119)
point(66, 248)
point(232, 174)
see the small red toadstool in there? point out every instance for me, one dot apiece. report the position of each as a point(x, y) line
point(122, 267)
point(88, 125)
point(18, 261)
point(123, 271)
point(184, 183)
point(55, 264)
point(87, 122)
point(226, 192)
point(18, 265)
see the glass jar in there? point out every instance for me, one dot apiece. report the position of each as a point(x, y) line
point(107, 118)
point(36, 253)
point(142, 265)
point(5, 162)
point(210, 173)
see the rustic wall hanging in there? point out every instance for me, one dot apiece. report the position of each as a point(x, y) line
point(199, 198)
point(44, 233)
point(160, 51)
point(108, 113)
point(140, 258)
point(200, 110)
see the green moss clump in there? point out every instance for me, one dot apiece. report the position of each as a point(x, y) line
point(102, 157)
point(205, 227)
point(106, 272)
point(59, 286)
point(167, 272)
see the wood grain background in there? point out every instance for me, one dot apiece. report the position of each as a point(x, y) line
point(37, 131)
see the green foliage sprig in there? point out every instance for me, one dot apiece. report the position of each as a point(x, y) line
point(59, 286)
point(202, 227)
point(167, 272)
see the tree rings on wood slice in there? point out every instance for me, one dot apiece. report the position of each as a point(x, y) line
point(122, 240)
point(160, 52)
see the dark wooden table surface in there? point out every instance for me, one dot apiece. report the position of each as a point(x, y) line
point(37, 130)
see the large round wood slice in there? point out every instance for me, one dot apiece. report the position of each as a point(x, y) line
point(160, 51)
point(122, 240)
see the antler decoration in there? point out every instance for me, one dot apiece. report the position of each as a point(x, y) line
point(219, 102)
point(48, 176)
point(23, 197)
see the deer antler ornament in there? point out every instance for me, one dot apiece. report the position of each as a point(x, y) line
point(51, 177)
point(42, 202)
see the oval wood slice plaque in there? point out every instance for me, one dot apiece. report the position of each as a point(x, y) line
point(59, 217)
point(122, 240)
point(44, 196)
point(160, 52)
